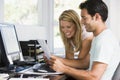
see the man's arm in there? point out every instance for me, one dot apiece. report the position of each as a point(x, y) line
point(95, 73)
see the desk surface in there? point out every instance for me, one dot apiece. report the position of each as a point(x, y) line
point(28, 74)
point(13, 76)
point(50, 77)
point(57, 77)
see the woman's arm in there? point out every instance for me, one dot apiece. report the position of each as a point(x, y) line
point(76, 63)
point(82, 57)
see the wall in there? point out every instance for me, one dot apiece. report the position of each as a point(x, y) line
point(31, 32)
point(114, 17)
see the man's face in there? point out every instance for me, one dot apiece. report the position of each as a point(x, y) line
point(87, 20)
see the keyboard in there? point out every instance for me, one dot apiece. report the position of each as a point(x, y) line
point(42, 67)
point(24, 63)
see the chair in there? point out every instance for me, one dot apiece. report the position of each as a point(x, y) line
point(116, 75)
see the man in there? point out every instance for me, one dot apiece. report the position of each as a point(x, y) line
point(104, 54)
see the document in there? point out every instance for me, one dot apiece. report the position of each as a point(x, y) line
point(45, 47)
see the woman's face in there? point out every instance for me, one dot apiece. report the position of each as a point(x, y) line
point(68, 28)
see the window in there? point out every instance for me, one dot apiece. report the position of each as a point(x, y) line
point(23, 12)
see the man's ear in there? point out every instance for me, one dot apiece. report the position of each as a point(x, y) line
point(97, 16)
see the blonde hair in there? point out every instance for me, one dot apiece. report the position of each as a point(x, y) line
point(71, 16)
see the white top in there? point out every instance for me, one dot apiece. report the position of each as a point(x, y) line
point(105, 48)
point(85, 35)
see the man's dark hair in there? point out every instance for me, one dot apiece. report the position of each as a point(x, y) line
point(95, 6)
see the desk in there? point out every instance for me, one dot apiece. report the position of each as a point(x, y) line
point(12, 74)
point(50, 77)
point(57, 77)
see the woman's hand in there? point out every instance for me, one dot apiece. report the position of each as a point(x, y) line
point(56, 64)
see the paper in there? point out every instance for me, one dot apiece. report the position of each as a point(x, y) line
point(3, 76)
point(45, 47)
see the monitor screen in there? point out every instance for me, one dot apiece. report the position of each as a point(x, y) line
point(10, 41)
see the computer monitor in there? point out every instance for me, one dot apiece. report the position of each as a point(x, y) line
point(10, 47)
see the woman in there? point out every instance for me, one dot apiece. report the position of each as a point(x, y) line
point(75, 39)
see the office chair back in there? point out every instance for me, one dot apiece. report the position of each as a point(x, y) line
point(116, 75)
